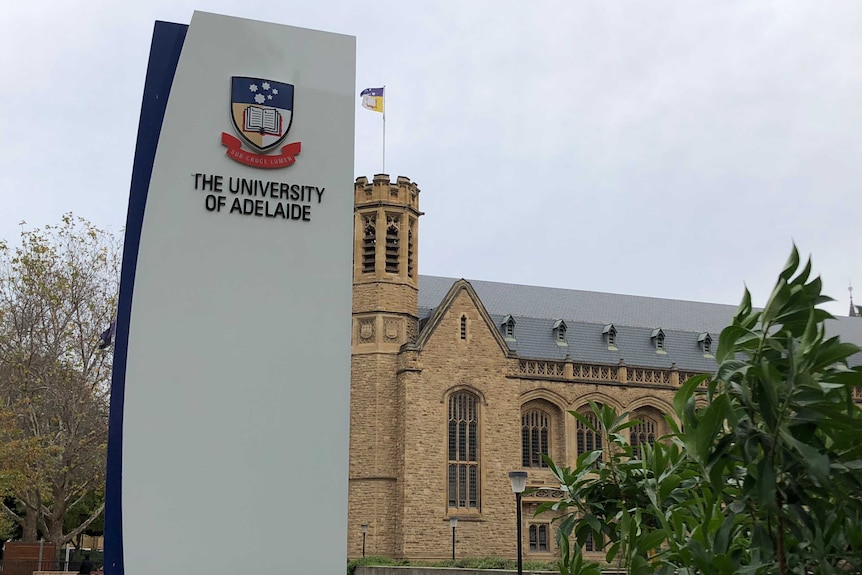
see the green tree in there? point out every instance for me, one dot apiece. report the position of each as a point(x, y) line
point(57, 294)
point(764, 475)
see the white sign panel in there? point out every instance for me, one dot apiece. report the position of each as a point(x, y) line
point(229, 416)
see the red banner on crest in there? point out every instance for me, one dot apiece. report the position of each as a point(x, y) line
point(235, 152)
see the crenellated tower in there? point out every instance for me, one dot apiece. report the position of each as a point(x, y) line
point(385, 274)
point(385, 316)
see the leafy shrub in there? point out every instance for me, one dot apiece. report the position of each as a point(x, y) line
point(763, 475)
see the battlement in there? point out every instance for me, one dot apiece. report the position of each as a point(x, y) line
point(382, 192)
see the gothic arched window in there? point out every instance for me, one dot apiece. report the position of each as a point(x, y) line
point(592, 543)
point(463, 440)
point(642, 434)
point(587, 439)
point(538, 537)
point(535, 437)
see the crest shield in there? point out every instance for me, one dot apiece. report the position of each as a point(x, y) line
point(261, 110)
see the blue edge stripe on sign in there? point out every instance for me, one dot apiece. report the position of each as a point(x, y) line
point(165, 51)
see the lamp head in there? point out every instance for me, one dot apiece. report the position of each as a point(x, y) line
point(519, 481)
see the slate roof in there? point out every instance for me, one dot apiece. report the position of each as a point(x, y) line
point(535, 309)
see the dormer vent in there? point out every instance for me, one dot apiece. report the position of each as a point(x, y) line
point(610, 335)
point(657, 337)
point(705, 342)
point(560, 332)
point(508, 326)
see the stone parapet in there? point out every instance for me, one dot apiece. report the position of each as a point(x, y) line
point(567, 370)
point(381, 191)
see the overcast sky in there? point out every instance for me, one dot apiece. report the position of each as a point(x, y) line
point(670, 149)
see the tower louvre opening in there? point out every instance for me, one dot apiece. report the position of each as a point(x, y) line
point(369, 242)
point(393, 223)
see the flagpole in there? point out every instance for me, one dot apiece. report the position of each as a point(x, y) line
point(384, 129)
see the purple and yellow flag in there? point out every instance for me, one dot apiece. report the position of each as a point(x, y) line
point(372, 99)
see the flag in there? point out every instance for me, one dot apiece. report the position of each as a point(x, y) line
point(372, 99)
point(107, 336)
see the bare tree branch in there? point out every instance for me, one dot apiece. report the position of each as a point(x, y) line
point(73, 534)
point(12, 515)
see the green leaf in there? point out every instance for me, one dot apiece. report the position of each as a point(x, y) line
point(765, 490)
point(667, 486)
point(722, 536)
point(585, 421)
point(711, 422)
point(832, 352)
point(686, 392)
point(744, 308)
point(727, 341)
point(803, 275)
point(811, 458)
point(651, 541)
point(589, 458)
point(723, 564)
point(777, 301)
point(731, 367)
point(790, 266)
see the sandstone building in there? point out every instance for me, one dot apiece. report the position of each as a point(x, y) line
point(456, 383)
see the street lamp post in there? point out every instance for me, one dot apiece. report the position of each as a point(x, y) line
point(364, 528)
point(519, 483)
point(453, 523)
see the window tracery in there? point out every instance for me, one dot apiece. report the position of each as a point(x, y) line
point(463, 448)
point(642, 434)
point(535, 437)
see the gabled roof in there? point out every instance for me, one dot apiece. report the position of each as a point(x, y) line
point(587, 314)
point(435, 316)
point(594, 307)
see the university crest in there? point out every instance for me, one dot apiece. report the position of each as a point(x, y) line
point(262, 112)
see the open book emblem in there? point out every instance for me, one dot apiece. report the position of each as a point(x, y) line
point(262, 111)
